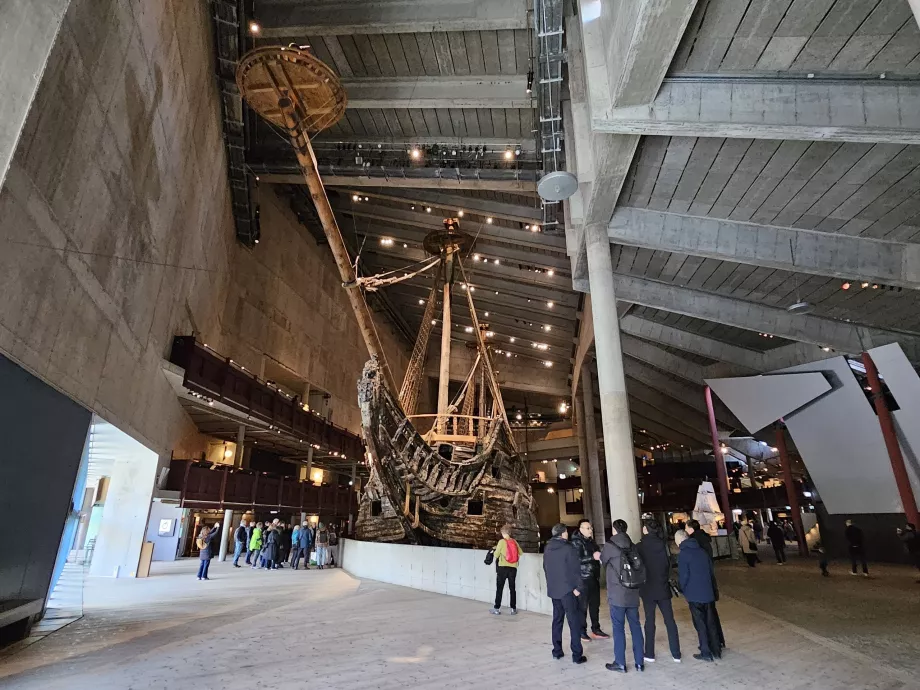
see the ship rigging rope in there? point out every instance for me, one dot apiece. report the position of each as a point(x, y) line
point(371, 283)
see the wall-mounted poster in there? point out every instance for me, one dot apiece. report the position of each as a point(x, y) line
point(167, 528)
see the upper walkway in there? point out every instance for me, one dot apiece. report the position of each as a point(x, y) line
point(286, 629)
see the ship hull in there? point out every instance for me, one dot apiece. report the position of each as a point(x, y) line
point(448, 495)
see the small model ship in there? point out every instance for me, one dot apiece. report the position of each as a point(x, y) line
point(461, 480)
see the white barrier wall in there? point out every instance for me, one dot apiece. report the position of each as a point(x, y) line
point(457, 572)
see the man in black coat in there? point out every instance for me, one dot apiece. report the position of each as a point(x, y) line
point(857, 553)
point(695, 577)
point(590, 599)
point(563, 577)
point(778, 541)
point(656, 592)
point(241, 541)
point(705, 541)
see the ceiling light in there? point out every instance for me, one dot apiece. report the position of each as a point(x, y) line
point(864, 285)
point(550, 490)
point(490, 334)
point(507, 354)
point(535, 228)
point(469, 329)
point(875, 286)
point(415, 154)
point(365, 198)
point(413, 207)
point(527, 227)
point(255, 28)
point(549, 304)
point(496, 261)
point(489, 221)
point(355, 197)
point(561, 476)
point(386, 241)
point(472, 289)
point(486, 314)
point(845, 286)
point(405, 246)
point(512, 339)
point(428, 209)
point(563, 407)
point(434, 321)
point(550, 272)
point(421, 301)
point(518, 416)
point(476, 257)
point(509, 154)
point(826, 349)
point(547, 364)
point(547, 328)
point(460, 213)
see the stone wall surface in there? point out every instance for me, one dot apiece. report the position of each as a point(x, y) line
point(116, 232)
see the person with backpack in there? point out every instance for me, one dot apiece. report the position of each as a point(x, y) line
point(333, 547)
point(656, 592)
point(625, 575)
point(507, 553)
point(322, 546)
point(240, 543)
point(203, 542)
point(695, 576)
point(563, 577)
point(590, 599)
point(255, 545)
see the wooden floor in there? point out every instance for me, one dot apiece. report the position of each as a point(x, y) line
point(254, 629)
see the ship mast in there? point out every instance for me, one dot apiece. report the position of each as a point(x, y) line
point(292, 89)
point(444, 372)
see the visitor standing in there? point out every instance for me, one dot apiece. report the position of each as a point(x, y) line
point(249, 529)
point(590, 599)
point(625, 575)
point(322, 546)
point(563, 576)
point(241, 543)
point(705, 541)
point(203, 542)
point(777, 538)
point(271, 549)
point(255, 545)
point(854, 537)
point(911, 541)
point(748, 543)
point(304, 541)
point(333, 547)
point(295, 543)
point(695, 577)
point(507, 554)
point(656, 592)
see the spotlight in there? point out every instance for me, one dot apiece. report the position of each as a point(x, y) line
point(476, 257)
point(517, 150)
point(255, 28)
point(845, 286)
point(489, 221)
point(548, 364)
point(355, 197)
point(535, 228)
point(365, 198)
point(415, 154)
point(428, 209)
point(527, 227)
point(496, 261)
point(512, 339)
point(509, 154)
point(460, 213)
point(421, 301)
point(549, 304)
point(864, 285)
point(551, 272)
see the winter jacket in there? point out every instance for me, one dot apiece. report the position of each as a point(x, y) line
point(255, 540)
point(657, 559)
point(305, 538)
point(617, 594)
point(295, 537)
point(560, 565)
point(501, 550)
point(747, 540)
point(704, 540)
point(695, 573)
point(776, 535)
point(854, 536)
point(587, 547)
point(240, 535)
point(204, 554)
point(272, 542)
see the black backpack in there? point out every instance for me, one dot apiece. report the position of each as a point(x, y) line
point(632, 573)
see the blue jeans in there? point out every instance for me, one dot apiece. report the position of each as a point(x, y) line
point(237, 552)
point(203, 568)
point(618, 617)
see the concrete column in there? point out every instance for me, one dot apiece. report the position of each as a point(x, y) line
point(587, 496)
point(618, 443)
point(225, 534)
point(586, 413)
point(310, 465)
point(240, 439)
point(305, 398)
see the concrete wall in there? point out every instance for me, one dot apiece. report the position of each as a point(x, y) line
point(457, 572)
point(164, 548)
point(287, 301)
point(44, 434)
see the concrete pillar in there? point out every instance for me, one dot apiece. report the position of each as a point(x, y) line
point(305, 398)
point(586, 413)
point(240, 439)
point(225, 534)
point(310, 465)
point(618, 443)
point(587, 496)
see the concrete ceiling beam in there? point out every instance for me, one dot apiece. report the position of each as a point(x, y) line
point(779, 108)
point(662, 359)
point(446, 203)
point(299, 18)
point(680, 424)
point(790, 249)
point(476, 91)
point(326, 139)
point(447, 182)
point(841, 336)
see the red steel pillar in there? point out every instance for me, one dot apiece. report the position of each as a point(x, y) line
point(792, 498)
point(720, 463)
point(891, 441)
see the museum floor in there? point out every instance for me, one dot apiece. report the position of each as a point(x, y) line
point(786, 628)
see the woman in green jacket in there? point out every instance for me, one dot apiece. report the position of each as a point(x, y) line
point(255, 544)
point(507, 553)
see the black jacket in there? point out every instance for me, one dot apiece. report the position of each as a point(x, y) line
point(695, 573)
point(776, 535)
point(586, 548)
point(704, 540)
point(617, 594)
point(657, 559)
point(241, 535)
point(854, 537)
point(561, 567)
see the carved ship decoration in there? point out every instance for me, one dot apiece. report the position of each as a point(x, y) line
point(457, 483)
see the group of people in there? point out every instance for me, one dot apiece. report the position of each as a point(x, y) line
point(748, 539)
point(635, 573)
point(269, 545)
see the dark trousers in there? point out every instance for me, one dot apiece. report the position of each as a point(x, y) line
point(590, 603)
point(751, 559)
point(705, 623)
point(567, 609)
point(203, 568)
point(715, 617)
point(857, 554)
point(667, 614)
point(780, 551)
point(619, 615)
point(502, 574)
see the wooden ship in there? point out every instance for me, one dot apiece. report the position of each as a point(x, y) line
point(457, 483)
